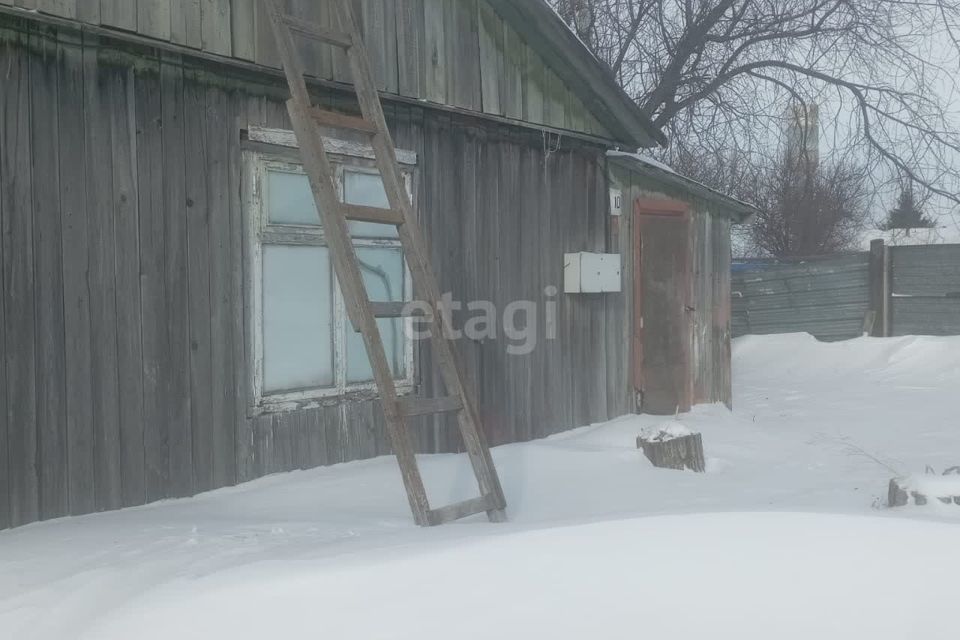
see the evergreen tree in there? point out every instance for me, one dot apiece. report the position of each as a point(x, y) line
point(907, 214)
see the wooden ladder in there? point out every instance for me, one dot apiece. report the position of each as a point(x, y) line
point(307, 120)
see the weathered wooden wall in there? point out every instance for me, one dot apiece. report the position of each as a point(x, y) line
point(124, 378)
point(710, 348)
point(453, 52)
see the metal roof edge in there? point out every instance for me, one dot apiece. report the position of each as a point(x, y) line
point(738, 209)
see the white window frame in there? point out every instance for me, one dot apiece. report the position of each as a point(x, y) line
point(343, 155)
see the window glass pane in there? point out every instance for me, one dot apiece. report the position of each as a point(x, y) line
point(383, 275)
point(297, 318)
point(367, 189)
point(289, 199)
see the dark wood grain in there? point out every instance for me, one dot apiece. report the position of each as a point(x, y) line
point(19, 356)
point(48, 255)
point(101, 280)
point(125, 210)
point(200, 267)
point(77, 312)
point(153, 290)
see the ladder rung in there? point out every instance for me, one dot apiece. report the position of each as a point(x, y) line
point(395, 310)
point(316, 31)
point(341, 121)
point(461, 510)
point(372, 214)
point(412, 407)
point(309, 123)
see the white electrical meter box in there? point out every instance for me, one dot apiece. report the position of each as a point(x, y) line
point(591, 272)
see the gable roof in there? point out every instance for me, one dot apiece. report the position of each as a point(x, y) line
point(738, 210)
point(591, 80)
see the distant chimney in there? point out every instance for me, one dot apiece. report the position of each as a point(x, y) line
point(579, 13)
point(803, 134)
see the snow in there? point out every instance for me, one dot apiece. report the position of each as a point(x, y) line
point(785, 532)
point(644, 158)
point(665, 431)
point(932, 486)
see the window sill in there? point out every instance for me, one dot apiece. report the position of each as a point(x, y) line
point(317, 399)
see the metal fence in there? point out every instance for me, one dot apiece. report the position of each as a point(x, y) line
point(925, 290)
point(887, 291)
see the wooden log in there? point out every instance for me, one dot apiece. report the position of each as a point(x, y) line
point(668, 451)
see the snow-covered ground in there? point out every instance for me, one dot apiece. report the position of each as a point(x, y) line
point(785, 536)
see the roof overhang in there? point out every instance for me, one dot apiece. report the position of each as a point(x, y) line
point(589, 78)
point(738, 210)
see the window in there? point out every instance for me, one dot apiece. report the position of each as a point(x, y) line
point(303, 343)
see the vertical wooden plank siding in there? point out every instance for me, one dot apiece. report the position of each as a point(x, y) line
point(51, 390)
point(196, 148)
point(236, 422)
point(534, 78)
point(88, 11)
point(222, 265)
point(216, 21)
point(252, 111)
point(242, 29)
point(435, 79)
point(457, 52)
point(317, 59)
point(410, 48)
point(186, 23)
point(76, 257)
point(532, 240)
point(5, 51)
point(136, 248)
point(19, 356)
point(178, 28)
point(491, 58)
point(153, 296)
point(462, 60)
point(62, 8)
point(511, 79)
point(176, 385)
point(123, 119)
point(121, 14)
point(265, 49)
point(379, 24)
point(101, 280)
point(153, 19)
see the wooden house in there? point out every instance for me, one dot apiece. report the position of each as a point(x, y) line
point(169, 323)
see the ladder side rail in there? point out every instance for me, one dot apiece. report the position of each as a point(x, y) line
point(412, 239)
point(336, 232)
point(357, 302)
point(289, 57)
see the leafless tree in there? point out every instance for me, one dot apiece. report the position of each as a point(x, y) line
point(716, 75)
point(807, 209)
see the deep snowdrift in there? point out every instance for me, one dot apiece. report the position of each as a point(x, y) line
point(817, 429)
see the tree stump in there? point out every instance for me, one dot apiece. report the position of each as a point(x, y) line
point(673, 447)
point(920, 490)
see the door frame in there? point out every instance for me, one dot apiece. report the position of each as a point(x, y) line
point(679, 211)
